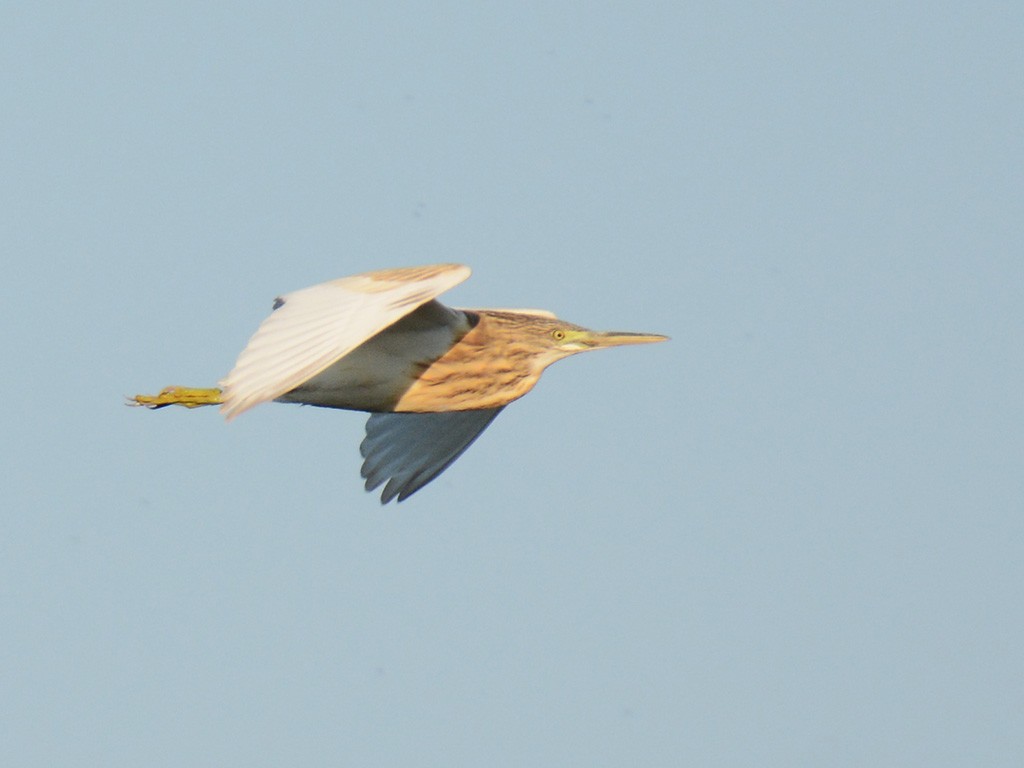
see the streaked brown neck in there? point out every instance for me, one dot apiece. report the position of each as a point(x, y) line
point(492, 365)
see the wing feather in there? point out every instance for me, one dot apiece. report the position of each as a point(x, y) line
point(408, 450)
point(313, 328)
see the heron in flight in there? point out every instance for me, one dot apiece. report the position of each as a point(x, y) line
point(432, 377)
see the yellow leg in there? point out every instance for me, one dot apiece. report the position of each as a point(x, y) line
point(190, 397)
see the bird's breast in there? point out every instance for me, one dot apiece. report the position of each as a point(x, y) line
point(478, 371)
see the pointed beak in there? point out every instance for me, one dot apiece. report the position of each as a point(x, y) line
point(601, 339)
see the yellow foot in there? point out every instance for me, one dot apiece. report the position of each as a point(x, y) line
point(190, 397)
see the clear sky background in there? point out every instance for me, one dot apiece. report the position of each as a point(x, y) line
point(793, 535)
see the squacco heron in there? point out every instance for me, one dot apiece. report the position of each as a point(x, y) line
point(432, 377)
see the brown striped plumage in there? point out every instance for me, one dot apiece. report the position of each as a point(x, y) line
point(499, 360)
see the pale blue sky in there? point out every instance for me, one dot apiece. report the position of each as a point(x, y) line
point(793, 535)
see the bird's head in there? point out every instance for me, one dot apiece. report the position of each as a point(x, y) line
point(547, 338)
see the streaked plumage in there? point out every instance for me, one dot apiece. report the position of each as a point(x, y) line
point(433, 377)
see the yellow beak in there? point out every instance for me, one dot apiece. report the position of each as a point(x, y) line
point(602, 339)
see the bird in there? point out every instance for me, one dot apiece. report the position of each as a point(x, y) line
point(432, 377)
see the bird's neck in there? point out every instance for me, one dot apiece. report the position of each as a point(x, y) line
point(486, 368)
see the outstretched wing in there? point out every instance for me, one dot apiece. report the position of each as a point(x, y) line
point(314, 327)
point(411, 449)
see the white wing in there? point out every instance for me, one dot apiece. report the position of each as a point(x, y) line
point(312, 328)
point(411, 449)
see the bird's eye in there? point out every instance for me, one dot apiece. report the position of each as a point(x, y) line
point(558, 334)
